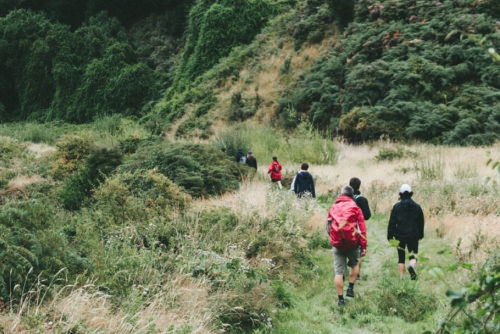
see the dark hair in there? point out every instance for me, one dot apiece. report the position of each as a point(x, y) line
point(355, 183)
point(275, 158)
point(304, 166)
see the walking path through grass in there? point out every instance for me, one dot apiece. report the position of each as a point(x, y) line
point(383, 303)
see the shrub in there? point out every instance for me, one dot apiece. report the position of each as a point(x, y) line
point(100, 162)
point(403, 299)
point(201, 170)
point(32, 247)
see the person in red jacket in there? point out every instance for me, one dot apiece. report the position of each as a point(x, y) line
point(344, 219)
point(275, 171)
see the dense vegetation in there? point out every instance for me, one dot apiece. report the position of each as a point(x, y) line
point(416, 70)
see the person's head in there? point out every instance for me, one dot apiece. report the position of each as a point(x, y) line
point(355, 183)
point(250, 153)
point(275, 158)
point(347, 191)
point(240, 150)
point(405, 191)
point(304, 166)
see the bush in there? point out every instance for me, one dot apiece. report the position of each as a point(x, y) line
point(403, 299)
point(201, 170)
point(100, 162)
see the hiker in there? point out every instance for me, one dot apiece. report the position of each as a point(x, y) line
point(240, 156)
point(362, 203)
point(303, 182)
point(406, 225)
point(344, 220)
point(275, 171)
point(251, 161)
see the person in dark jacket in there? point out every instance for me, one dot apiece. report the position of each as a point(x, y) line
point(362, 203)
point(303, 182)
point(240, 155)
point(406, 225)
point(251, 161)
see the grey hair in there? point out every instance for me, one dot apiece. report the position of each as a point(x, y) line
point(347, 191)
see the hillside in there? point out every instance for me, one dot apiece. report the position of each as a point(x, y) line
point(422, 70)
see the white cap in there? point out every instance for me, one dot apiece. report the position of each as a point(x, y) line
point(405, 188)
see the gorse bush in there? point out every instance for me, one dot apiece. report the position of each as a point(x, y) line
point(201, 170)
point(33, 247)
point(99, 163)
point(418, 71)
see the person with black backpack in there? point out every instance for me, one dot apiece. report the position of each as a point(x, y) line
point(362, 203)
point(406, 225)
point(347, 231)
point(303, 182)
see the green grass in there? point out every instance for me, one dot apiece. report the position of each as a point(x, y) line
point(315, 307)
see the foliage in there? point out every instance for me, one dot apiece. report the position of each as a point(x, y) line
point(50, 72)
point(201, 170)
point(99, 163)
point(478, 301)
point(214, 28)
point(417, 71)
point(32, 247)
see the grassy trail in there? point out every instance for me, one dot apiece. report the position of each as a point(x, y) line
point(315, 307)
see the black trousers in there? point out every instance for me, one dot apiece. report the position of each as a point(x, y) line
point(411, 245)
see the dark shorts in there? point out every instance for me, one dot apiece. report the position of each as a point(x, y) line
point(342, 259)
point(411, 245)
point(275, 180)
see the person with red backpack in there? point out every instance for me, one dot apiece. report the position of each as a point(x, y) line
point(275, 171)
point(345, 218)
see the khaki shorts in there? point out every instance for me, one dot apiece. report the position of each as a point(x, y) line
point(340, 257)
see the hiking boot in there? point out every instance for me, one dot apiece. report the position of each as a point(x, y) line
point(413, 274)
point(350, 292)
point(341, 302)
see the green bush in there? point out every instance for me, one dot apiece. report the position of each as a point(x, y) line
point(32, 249)
point(99, 163)
point(201, 170)
point(403, 299)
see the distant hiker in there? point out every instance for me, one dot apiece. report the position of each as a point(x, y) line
point(303, 182)
point(240, 156)
point(251, 161)
point(275, 171)
point(344, 220)
point(406, 225)
point(362, 202)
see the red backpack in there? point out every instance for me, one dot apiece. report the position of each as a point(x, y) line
point(344, 227)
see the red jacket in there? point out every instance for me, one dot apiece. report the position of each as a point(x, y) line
point(275, 171)
point(347, 216)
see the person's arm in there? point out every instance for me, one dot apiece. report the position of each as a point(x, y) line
point(391, 229)
point(270, 169)
point(362, 228)
point(292, 186)
point(420, 223)
point(313, 191)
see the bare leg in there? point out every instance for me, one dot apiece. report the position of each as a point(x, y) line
point(354, 274)
point(339, 284)
point(401, 267)
point(413, 263)
point(279, 184)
